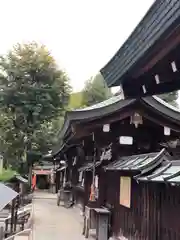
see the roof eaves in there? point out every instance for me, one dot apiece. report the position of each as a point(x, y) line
point(160, 17)
point(155, 161)
point(87, 114)
point(163, 108)
point(164, 175)
point(150, 177)
point(89, 166)
point(142, 165)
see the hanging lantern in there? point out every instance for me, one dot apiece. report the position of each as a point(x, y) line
point(136, 119)
point(106, 127)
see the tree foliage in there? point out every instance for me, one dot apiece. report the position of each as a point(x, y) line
point(33, 93)
point(95, 91)
point(75, 100)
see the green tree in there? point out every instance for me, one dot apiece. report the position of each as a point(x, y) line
point(95, 91)
point(171, 98)
point(34, 91)
point(75, 100)
point(46, 137)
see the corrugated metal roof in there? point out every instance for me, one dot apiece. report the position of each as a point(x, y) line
point(158, 20)
point(142, 162)
point(6, 195)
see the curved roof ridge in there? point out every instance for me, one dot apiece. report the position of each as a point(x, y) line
point(95, 111)
point(166, 104)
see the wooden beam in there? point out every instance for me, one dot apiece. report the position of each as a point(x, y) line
point(118, 116)
point(85, 129)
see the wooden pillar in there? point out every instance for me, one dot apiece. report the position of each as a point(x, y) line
point(12, 215)
point(17, 203)
point(87, 184)
point(34, 181)
point(57, 180)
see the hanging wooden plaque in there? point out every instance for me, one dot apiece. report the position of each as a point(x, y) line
point(125, 191)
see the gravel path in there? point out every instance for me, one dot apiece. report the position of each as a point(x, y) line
point(53, 222)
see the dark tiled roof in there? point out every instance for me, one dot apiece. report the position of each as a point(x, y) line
point(112, 105)
point(154, 26)
point(88, 166)
point(140, 163)
point(169, 172)
point(94, 112)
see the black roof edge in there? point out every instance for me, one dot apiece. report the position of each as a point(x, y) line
point(91, 114)
point(172, 176)
point(160, 172)
point(165, 109)
point(117, 68)
point(156, 162)
point(157, 159)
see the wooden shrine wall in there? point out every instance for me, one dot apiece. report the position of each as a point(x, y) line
point(154, 211)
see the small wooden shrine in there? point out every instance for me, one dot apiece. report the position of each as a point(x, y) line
point(148, 62)
point(43, 176)
point(147, 190)
point(114, 147)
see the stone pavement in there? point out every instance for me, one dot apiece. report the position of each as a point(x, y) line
point(53, 222)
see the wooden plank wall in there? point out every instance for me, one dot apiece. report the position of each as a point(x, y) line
point(154, 212)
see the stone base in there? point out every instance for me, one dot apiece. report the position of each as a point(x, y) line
point(52, 189)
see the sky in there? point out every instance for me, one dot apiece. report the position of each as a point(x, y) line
point(82, 35)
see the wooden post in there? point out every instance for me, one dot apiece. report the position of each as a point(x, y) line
point(12, 215)
point(1, 233)
point(17, 203)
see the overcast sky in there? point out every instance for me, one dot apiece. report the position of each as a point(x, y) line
point(82, 34)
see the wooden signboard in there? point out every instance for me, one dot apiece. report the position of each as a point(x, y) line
point(125, 191)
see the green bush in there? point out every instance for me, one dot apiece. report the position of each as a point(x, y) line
point(6, 175)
